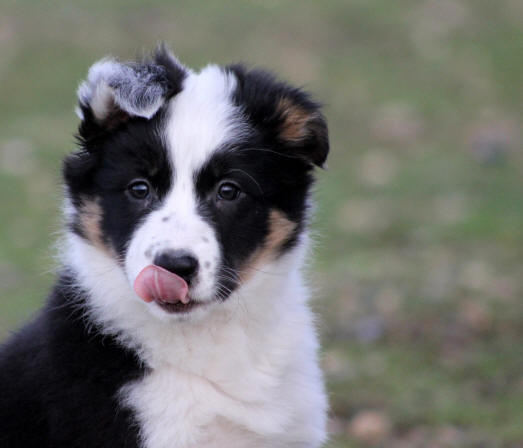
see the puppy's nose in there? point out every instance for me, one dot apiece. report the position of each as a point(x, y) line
point(178, 262)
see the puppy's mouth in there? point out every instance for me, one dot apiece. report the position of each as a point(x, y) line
point(168, 290)
point(178, 307)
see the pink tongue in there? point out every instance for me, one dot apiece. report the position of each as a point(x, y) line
point(156, 283)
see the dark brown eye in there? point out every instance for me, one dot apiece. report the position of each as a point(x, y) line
point(228, 191)
point(139, 189)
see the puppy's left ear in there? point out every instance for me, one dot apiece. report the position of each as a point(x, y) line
point(302, 128)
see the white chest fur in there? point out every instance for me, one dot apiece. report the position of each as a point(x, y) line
point(233, 386)
point(244, 375)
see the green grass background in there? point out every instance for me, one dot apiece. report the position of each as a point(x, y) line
point(419, 225)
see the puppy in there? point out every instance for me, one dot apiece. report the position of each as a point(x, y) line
point(179, 317)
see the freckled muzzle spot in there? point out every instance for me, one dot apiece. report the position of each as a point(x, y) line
point(155, 246)
point(281, 230)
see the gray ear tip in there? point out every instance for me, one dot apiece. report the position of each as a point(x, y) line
point(100, 71)
point(138, 88)
point(103, 68)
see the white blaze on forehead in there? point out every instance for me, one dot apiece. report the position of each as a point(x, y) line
point(201, 118)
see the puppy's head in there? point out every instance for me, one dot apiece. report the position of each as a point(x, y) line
point(191, 182)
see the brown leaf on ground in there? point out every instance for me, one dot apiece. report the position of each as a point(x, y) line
point(370, 427)
point(475, 315)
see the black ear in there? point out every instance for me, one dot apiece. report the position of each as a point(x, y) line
point(288, 115)
point(114, 91)
point(302, 128)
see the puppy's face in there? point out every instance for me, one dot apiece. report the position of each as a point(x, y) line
point(204, 175)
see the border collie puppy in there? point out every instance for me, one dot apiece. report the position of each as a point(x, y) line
point(180, 315)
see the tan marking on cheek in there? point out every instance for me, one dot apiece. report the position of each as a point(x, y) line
point(280, 230)
point(295, 121)
point(90, 216)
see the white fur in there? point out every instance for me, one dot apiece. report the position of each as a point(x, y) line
point(242, 373)
point(201, 119)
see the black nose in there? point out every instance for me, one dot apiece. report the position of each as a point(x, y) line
point(178, 262)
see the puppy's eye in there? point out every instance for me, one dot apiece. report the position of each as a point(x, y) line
point(228, 191)
point(139, 189)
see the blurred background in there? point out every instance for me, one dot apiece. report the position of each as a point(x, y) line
point(419, 225)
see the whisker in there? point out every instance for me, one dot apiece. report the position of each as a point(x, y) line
point(289, 156)
point(264, 272)
point(250, 177)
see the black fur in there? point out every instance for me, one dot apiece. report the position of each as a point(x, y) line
point(269, 181)
point(101, 171)
point(59, 381)
point(273, 174)
point(259, 93)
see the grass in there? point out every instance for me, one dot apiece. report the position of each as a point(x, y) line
point(419, 259)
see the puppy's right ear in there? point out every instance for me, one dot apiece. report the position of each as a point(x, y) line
point(115, 92)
